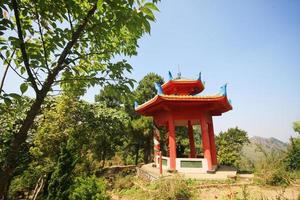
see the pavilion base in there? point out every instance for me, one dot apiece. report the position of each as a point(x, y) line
point(213, 170)
point(149, 172)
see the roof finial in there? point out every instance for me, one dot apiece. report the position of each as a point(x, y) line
point(179, 73)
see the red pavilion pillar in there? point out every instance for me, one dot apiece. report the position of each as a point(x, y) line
point(212, 142)
point(172, 144)
point(206, 141)
point(191, 140)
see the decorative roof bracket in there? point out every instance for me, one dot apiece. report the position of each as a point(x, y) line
point(158, 88)
point(170, 76)
point(199, 77)
point(135, 104)
point(223, 90)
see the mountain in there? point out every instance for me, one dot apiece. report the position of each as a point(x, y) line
point(251, 151)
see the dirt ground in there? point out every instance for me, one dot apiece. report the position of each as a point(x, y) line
point(249, 192)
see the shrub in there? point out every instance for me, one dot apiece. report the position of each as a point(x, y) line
point(88, 188)
point(122, 183)
point(172, 189)
point(272, 170)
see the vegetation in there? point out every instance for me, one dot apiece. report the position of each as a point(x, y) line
point(229, 146)
point(88, 188)
point(70, 47)
point(54, 145)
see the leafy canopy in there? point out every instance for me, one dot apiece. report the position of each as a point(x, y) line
point(229, 146)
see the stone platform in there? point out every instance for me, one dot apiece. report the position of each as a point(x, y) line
point(152, 173)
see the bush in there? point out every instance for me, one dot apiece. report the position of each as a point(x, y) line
point(272, 170)
point(122, 183)
point(293, 155)
point(172, 189)
point(88, 188)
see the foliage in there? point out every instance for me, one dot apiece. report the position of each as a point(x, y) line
point(145, 89)
point(123, 182)
point(92, 132)
point(61, 178)
point(91, 129)
point(10, 121)
point(138, 144)
point(271, 170)
point(293, 154)
point(88, 188)
point(143, 126)
point(229, 145)
point(296, 126)
point(70, 47)
point(173, 188)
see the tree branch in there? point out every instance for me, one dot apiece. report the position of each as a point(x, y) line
point(42, 38)
point(6, 69)
point(23, 48)
point(69, 16)
point(60, 63)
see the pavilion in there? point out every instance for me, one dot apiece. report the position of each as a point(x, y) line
point(178, 103)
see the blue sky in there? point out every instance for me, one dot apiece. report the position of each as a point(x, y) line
point(254, 46)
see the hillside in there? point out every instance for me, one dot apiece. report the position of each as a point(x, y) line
point(251, 152)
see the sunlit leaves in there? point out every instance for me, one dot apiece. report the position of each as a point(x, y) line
point(23, 87)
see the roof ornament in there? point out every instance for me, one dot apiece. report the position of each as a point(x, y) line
point(135, 104)
point(230, 102)
point(223, 90)
point(199, 77)
point(170, 76)
point(158, 88)
point(179, 73)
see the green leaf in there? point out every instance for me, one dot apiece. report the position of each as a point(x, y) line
point(100, 5)
point(7, 101)
point(152, 6)
point(22, 69)
point(148, 13)
point(23, 87)
point(15, 95)
point(147, 26)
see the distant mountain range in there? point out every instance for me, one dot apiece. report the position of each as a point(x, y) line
point(251, 150)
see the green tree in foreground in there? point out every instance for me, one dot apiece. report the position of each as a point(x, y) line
point(65, 43)
point(296, 126)
point(229, 146)
point(88, 188)
point(61, 179)
point(293, 153)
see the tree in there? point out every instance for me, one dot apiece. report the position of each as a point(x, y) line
point(296, 126)
point(70, 47)
point(229, 146)
point(293, 152)
point(144, 125)
point(140, 129)
point(61, 178)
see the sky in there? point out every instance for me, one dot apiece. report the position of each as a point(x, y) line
point(254, 46)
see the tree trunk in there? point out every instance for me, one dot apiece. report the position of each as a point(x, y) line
point(18, 139)
point(137, 149)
